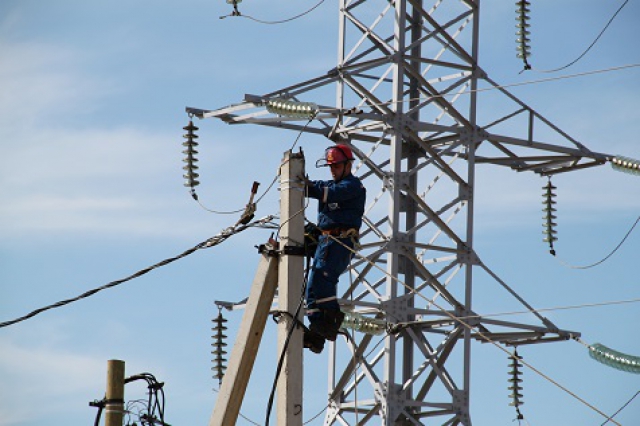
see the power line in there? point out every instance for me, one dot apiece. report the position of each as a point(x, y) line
point(622, 408)
point(480, 333)
point(533, 311)
point(282, 21)
point(265, 222)
point(606, 257)
point(527, 66)
point(504, 86)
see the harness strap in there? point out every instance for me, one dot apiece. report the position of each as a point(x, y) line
point(341, 232)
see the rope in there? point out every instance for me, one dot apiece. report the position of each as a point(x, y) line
point(213, 241)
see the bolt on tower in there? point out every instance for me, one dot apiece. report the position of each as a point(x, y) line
point(405, 94)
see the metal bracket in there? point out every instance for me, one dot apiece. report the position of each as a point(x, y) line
point(269, 249)
point(293, 250)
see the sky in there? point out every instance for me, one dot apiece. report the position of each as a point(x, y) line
point(92, 100)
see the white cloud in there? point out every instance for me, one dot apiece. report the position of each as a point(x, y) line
point(43, 80)
point(37, 377)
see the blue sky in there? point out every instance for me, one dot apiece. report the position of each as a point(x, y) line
point(91, 113)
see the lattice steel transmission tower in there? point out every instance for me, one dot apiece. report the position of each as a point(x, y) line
point(406, 94)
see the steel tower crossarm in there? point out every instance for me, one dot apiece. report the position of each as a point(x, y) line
point(406, 94)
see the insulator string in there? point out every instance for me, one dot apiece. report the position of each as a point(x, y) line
point(522, 33)
point(515, 381)
point(549, 216)
point(290, 108)
point(190, 152)
point(219, 344)
point(626, 165)
point(614, 359)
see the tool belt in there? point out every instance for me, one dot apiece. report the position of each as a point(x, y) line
point(341, 232)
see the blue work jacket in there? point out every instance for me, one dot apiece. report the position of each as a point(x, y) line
point(340, 204)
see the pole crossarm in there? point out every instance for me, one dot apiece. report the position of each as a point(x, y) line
point(409, 96)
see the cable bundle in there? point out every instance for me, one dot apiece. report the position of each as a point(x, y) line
point(152, 411)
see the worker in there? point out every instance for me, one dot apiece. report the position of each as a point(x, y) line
point(340, 209)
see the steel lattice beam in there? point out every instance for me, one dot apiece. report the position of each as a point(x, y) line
point(408, 86)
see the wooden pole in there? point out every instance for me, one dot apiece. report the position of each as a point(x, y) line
point(290, 280)
point(114, 405)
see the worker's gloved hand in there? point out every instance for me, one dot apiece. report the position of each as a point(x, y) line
point(305, 180)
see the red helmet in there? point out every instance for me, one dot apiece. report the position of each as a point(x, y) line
point(336, 154)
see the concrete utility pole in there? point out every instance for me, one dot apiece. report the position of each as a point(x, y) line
point(407, 102)
point(291, 275)
point(245, 349)
point(114, 405)
point(281, 266)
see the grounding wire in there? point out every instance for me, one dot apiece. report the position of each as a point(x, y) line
point(588, 48)
point(265, 222)
point(606, 257)
point(478, 332)
point(282, 21)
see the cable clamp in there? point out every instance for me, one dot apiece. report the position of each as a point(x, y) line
point(289, 250)
point(270, 248)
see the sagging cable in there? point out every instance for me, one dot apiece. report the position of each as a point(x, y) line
point(266, 222)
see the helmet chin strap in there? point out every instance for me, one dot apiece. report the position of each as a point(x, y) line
point(344, 171)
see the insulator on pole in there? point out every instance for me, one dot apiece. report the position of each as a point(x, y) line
point(626, 164)
point(522, 33)
point(219, 343)
point(190, 152)
point(549, 217)
point(514, 381)
point(615, 359)
point(358, 322)
point(289, 108)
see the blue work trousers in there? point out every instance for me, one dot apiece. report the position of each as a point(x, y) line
point(330, 261)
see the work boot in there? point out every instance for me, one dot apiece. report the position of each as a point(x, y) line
point(312, 341)
point(328, 325)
